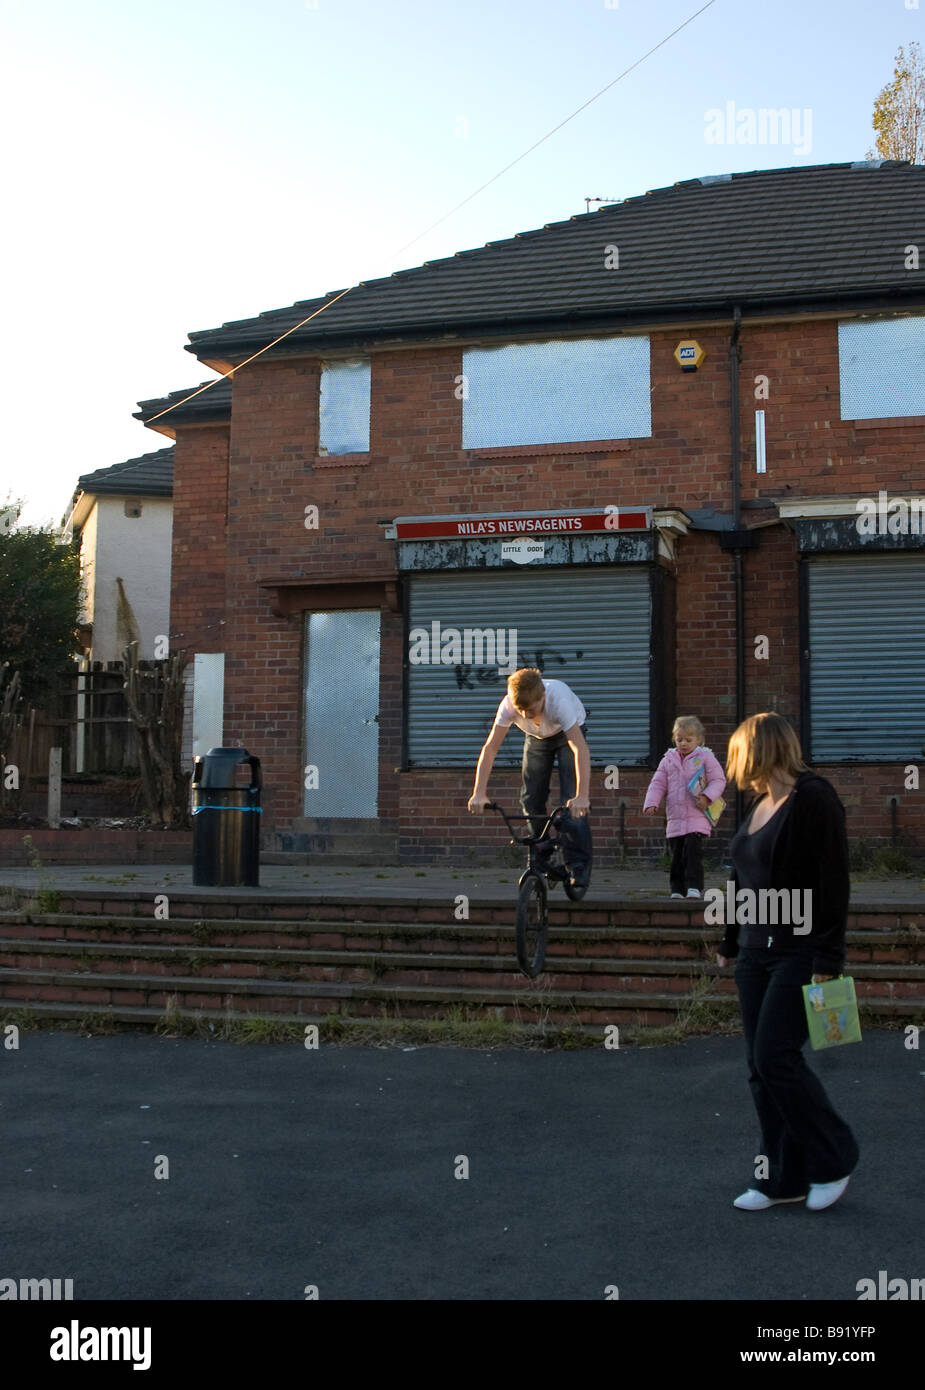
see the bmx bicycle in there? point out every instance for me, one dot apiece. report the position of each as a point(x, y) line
point(545, 862)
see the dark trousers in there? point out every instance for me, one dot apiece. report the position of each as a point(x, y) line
point(540, 756)
point(686, 862)
point(803, 1138)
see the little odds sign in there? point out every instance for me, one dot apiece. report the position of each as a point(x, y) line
point(507, 525)
point(523, 552)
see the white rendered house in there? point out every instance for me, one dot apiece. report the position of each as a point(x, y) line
point(124, 517)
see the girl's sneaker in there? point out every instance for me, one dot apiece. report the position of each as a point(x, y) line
point(677, 895)
point(693, 893)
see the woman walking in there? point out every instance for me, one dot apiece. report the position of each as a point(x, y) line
point(794, 838)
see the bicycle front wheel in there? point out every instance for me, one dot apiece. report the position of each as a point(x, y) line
point(532, 925)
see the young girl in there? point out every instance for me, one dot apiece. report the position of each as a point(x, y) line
point(687, 824)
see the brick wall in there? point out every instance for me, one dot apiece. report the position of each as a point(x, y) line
point(416, 466)
point(197, 580)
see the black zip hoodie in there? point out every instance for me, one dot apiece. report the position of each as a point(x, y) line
point(811, 851)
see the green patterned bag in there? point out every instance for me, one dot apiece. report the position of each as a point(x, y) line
point(832, 1012)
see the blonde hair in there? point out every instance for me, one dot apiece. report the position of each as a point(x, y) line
point(688, 721)
point(525, 687)
point(762, 745)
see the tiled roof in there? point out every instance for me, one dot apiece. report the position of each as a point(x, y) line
point(797, 238)
point(150, 475)
point(214, 404)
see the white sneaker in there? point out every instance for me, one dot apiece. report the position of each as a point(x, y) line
point(752, 1200)
point(825, 1194)
point(694, 893)
point(677, 895)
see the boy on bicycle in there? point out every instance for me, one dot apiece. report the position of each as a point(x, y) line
point(551, 717)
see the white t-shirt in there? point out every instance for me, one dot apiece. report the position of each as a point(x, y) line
point(562, 709)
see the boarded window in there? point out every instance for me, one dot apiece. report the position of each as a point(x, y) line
point(556, 392)
point(344, 407)
point(881, 367)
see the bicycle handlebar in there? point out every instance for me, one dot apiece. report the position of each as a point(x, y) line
point(527, 839)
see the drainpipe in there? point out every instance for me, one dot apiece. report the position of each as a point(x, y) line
point(738, 538)
point(737, 513)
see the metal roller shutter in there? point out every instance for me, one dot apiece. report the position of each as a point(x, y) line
point(867, 658)
point(590, 627)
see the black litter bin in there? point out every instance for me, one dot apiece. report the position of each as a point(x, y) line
point(226, 819)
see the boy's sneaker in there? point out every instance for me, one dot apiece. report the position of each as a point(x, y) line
point(677, 895)
point(693, 893)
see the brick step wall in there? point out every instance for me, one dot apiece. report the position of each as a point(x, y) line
point(97, 846)
point(19, 989)
point(534, 1002)
point(335, 851)
point(208, 1021)
point(900, 981)
point(885, 946)
point(595, 976)
point(334, 841)
point(231, 905)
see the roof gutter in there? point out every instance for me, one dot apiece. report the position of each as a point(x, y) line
point(218, 348)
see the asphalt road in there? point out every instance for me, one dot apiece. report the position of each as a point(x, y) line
point(335, 1169)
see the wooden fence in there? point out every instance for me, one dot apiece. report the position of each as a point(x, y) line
point(87, 718)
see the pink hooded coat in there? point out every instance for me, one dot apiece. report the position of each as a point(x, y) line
point(671, 781)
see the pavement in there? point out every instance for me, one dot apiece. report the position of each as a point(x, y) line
point(410, 884)
point(427, 1173)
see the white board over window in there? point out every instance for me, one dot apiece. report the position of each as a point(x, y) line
point(344, 407)
point(556, 392)
point(881, 368)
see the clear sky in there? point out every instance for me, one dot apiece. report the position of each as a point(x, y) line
point(169, 166)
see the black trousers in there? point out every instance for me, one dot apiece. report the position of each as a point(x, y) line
point(541, 755)
point(686, 862)
point(802, 1136)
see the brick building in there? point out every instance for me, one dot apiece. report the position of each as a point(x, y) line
point(518, 439)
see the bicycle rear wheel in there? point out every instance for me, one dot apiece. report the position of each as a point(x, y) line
point(532, 925)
